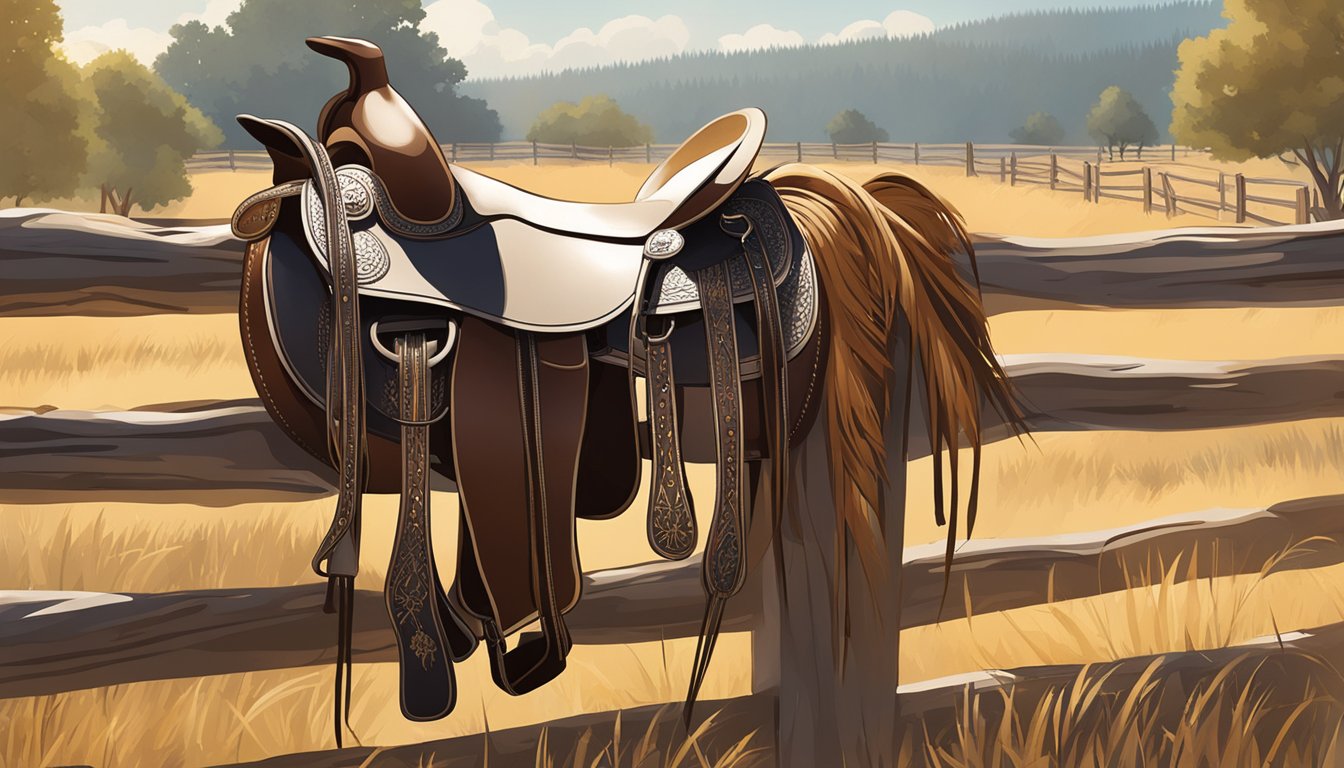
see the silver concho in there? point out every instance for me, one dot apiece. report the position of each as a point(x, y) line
point(356, 196)
point(371, 259)
point(664, 244)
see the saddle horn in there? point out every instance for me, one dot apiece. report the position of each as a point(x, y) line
point(372, 122)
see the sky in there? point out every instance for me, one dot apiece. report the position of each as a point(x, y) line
point(514, 37)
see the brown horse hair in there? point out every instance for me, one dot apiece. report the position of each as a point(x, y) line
point(886, 250)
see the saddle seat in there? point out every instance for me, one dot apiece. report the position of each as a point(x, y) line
point(693, 181)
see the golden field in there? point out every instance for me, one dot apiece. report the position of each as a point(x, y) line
point(1054, 483)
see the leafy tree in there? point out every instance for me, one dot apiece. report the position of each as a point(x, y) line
point(42, 153)
point(1118, 120)
point(1042, 129)
point(143, 132)
point(853, 127)
point(597, 121)
point(258, 63)
point(1269, 84)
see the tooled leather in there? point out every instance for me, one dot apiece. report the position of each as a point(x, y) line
point(671, 518)
point(410, 590)
point(723, 563)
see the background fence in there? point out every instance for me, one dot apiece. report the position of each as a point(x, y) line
point(1177, 186)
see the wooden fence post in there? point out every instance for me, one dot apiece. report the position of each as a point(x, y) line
point(1303, 207)
point(1222, 193)
point(916, 153)
point(232, 165)
point(1169, 195)
point(800, 151)
point(1241, 198)
point(574, 150)
point(1013, 165)
point(1054, 171)
point(835, 151)
point(970, 159)
point(492, 151)
point(1173, 152)
point(829, 713)
point(874, 153)
point(1087, 180)
point(611, 156)
point(453, 151)
point(1147, 189)
point(534, 153)
point(1096, 183)
point(648, 153)
point(1003, 169)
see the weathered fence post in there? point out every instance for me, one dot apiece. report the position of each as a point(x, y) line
point(232, 165)
point(835, 712)
point(1087, 180)
point(1147, 189)
point(1222, 193)
point(800, 151)
point(453, 151)
point(1054, 171)
point(1169, 195)
point(1096, 183)
point(534, 153)
point(1241, 198)
point(1013, 166)
point(874, 153)
point(835, 151)
point(1173, 152)
point(970, 159)
point(1003, 169)
point(574, 150)
point(1303, 207)
point(611, 156)
point(492, 151)
point(916, 153)
point(648, 153)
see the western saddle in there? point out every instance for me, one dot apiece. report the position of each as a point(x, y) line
point(404, 316)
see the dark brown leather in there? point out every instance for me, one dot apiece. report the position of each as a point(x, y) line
point(372, 123)
point(671, 524)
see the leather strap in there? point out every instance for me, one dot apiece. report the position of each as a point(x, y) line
point(671, 519)
point(724, 563)
point(538, 658)
point(428, 686)
point(774, 373)
point(338, 556)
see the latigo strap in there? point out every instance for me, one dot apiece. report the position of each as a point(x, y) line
point(428, 687)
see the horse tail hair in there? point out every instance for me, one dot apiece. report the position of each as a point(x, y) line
point(886, 251)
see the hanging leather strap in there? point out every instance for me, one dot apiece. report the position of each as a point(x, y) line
point(671, 519)
point(724, 563)
point(428, 686)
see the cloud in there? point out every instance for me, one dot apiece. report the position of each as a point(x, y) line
point(760, 36)
point(897, 24)
point(469, 31)
point(88, 43)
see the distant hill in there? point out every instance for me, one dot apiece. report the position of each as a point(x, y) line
point(975, 81)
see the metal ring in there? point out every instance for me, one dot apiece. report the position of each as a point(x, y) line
point(727, 217)
point(437, 355)
point(644, 330)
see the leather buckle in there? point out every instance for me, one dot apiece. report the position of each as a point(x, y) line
point(437, 351)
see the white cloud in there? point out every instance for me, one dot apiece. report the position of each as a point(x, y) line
point(88, 43)
point(760, 36)
point(469, 31)
point(897, 24)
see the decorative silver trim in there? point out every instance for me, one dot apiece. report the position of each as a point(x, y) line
point(372, 185)
point(371, 258)
point(664, 244)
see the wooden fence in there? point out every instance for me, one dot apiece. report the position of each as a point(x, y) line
point(65, 641)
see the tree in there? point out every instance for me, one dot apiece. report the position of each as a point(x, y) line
point(1118, 120)
point(1042, 129)
point(1267, 85)
point(143, 133)
point(597, 121)
point(257, 63)
point(42, 152)
point(853, 127)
